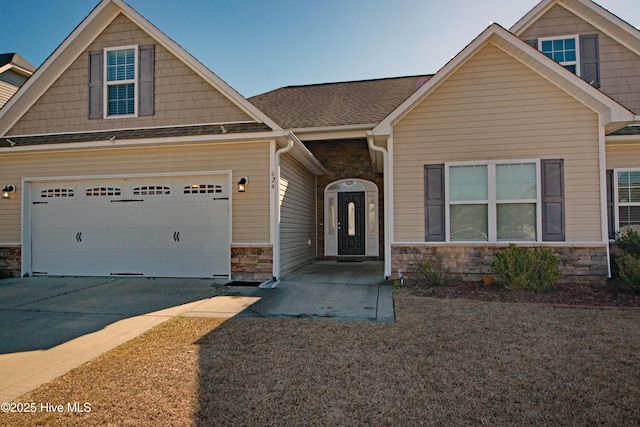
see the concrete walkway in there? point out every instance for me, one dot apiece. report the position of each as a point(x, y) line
point(342, 291)
point(50, 325)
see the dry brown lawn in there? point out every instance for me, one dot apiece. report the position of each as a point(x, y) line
point(443, 362)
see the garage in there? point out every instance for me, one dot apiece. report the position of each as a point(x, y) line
point(154, 226)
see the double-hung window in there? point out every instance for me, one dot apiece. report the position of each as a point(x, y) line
point(120, 81)
point(564, 50)
point(493, 201)
point(628, 199)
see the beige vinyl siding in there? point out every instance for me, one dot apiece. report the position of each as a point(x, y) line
point(619, 66)
point(493, 107)
point(297, 214)
point(10, 82)
point(250, 210)
point(623, 155)
point(181, 96)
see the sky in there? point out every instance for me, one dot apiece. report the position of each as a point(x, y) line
point(261, 45)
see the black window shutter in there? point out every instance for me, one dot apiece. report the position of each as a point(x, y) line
point(434, 203)
point(146, 80)
point(610, 205)
point(533, 43)
point(553, 224)
point(589, 64)
point(95, 85)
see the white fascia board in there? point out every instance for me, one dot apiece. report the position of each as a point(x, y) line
point(334, 132)
point(533, 15)
point(180, 140)
point(303, 155)
point(384, 128)
point(15, 68)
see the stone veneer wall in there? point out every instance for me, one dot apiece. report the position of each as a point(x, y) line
point(251, 263)
point(344, 159)
point(10, 261)
point(470, 263)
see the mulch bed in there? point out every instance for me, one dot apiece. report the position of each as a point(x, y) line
point(612, 294)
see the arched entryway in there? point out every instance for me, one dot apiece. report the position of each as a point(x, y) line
point(351, 218)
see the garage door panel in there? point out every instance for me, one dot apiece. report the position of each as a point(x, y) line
point(163, 230)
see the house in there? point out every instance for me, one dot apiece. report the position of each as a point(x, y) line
point(129, 157)
point(14, 71)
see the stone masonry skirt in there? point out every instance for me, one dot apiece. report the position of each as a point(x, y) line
point(469, 263)
point(251, 263)
point(10, 258)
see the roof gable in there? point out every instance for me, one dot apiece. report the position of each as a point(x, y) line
point(83, 36)
point(610, 24)
point(609, 110)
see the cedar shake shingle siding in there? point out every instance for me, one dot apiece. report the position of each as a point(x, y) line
point(182, 97)
point(619, 75)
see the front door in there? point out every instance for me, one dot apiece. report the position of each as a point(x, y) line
point(351, 220)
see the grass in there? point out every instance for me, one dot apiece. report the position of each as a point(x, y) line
point(443, 362)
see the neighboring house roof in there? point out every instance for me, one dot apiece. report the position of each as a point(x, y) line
point(337, 104)
point(17, 62)
point(611, 113)
point(610, 24)
point(81, 38)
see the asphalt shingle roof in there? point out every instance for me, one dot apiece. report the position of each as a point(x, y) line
point(335, 104)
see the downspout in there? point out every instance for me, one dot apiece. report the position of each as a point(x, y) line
point(275, 214)
point(386, 203)
point(602, 159)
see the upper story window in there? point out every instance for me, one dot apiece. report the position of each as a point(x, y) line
point(564, 50)
point(120, 81)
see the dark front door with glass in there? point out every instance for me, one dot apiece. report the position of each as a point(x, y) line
point(351, 221)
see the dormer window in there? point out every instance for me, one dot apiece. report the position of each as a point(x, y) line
point(120, 81)
point(563, 50)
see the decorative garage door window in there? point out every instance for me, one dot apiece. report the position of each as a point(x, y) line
point(203, 189)
point(103, 191)
point(152, 190)
point(57, 192)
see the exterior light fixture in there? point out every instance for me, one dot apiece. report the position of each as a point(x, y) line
point(242, 184)
point(6, 192)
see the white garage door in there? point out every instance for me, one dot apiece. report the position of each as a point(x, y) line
point(157, 226)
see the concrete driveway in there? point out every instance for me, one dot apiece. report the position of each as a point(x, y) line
point(38, 313)
point(49, 325)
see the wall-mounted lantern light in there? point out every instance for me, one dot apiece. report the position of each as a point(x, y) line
point(6, 193)
point(242, 184)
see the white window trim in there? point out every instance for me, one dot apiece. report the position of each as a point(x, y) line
point(616, 197)
point(120, 82)
point(492, 201)
point(576, 37)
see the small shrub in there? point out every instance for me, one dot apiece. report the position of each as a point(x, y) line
point(526, 269)
point(434, 273)
point(629, 242)
point(629, 271)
